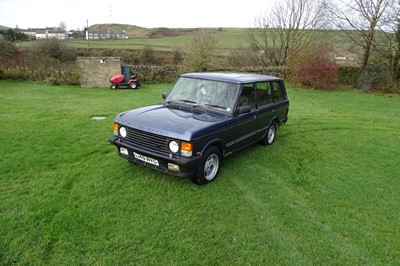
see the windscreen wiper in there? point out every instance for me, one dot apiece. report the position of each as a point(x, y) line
point(182, 100)
point(187, 101)
point(216, 106)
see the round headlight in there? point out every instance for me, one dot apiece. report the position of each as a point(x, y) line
point(122, 131)
point(174, 146)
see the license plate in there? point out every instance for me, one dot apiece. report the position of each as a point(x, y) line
point(145, 159)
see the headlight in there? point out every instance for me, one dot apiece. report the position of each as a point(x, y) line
point(122, 132)
point(173, 146)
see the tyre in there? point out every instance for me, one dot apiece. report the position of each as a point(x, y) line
point(208, 167)
point(133, 85)
point(270, 135)
point(114, 86)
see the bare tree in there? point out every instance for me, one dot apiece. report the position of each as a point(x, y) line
point(389, 48)
point(62, 25)
point(199, 51)
point(396, 28)
point(361, 17)
point(286, 28)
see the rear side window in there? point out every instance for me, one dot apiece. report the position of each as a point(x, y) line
point(278, 91)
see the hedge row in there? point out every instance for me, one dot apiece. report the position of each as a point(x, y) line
point(54, 72)
point(47, 62)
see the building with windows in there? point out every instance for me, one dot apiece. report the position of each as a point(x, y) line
point(46, 33)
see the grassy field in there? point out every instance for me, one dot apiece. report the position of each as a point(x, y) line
point(326, 192)
point(227, 39)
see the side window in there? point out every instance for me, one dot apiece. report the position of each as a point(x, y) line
point(247, 96)
point(264, 93)
point(278, 93)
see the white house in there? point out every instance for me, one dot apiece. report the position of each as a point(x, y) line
point(46, 33)
point(51, 33)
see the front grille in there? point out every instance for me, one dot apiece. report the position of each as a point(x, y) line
point(146, 139)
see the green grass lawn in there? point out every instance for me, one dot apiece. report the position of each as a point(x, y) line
point(326, 192)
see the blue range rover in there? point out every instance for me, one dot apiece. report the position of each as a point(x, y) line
point(204, 118)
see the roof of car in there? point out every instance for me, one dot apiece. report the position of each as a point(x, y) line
point(234, 77)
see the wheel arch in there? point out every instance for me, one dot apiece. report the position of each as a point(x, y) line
point(219, 143)
point(275, 120)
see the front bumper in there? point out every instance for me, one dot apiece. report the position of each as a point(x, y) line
point(187, 166)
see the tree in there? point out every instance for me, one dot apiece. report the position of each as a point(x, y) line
point(389, 50)
point(199, 51)
point(12, 35)
point(288, 27)
point(396, 54)
point(63, 25)
point(359, 19)
point(147, 56)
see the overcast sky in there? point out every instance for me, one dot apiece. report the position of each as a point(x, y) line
point(144, 13)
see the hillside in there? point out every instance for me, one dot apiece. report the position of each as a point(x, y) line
point(133, 31)
point(173, 39)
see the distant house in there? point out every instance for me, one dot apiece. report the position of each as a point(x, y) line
point(29, 31)
point(102, 35)
point(51, 33)
point(46, 33)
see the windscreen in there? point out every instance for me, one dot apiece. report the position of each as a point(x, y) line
point(216, 95)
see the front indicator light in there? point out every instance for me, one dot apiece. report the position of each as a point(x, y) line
point(186, 149)
point(116, 129)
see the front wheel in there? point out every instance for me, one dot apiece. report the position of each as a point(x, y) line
point(208, 167)
point(270, 135)
point(114, 86)
point(133, 85)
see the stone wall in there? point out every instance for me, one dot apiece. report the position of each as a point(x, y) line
point(95, 72)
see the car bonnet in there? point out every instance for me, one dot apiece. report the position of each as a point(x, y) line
point(173, 123)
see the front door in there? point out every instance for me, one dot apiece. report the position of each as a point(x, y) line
point(245, 124)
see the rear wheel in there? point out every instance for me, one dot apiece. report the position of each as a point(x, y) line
point(208, 167)
point(270, 135)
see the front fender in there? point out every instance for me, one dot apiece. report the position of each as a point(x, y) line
point(219, 143)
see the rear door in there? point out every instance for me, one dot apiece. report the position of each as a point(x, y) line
point(245, 125)
point(265, 104)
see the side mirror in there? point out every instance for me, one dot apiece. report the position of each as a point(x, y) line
point(243, 109)
point(165, 95)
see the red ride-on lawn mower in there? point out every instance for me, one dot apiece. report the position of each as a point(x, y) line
point(124, 80)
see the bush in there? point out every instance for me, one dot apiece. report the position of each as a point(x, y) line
point(348, 75)
point(318, 74)
point(163, 74)
point(55, 49)
point(8, 55)
point(147, 56)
